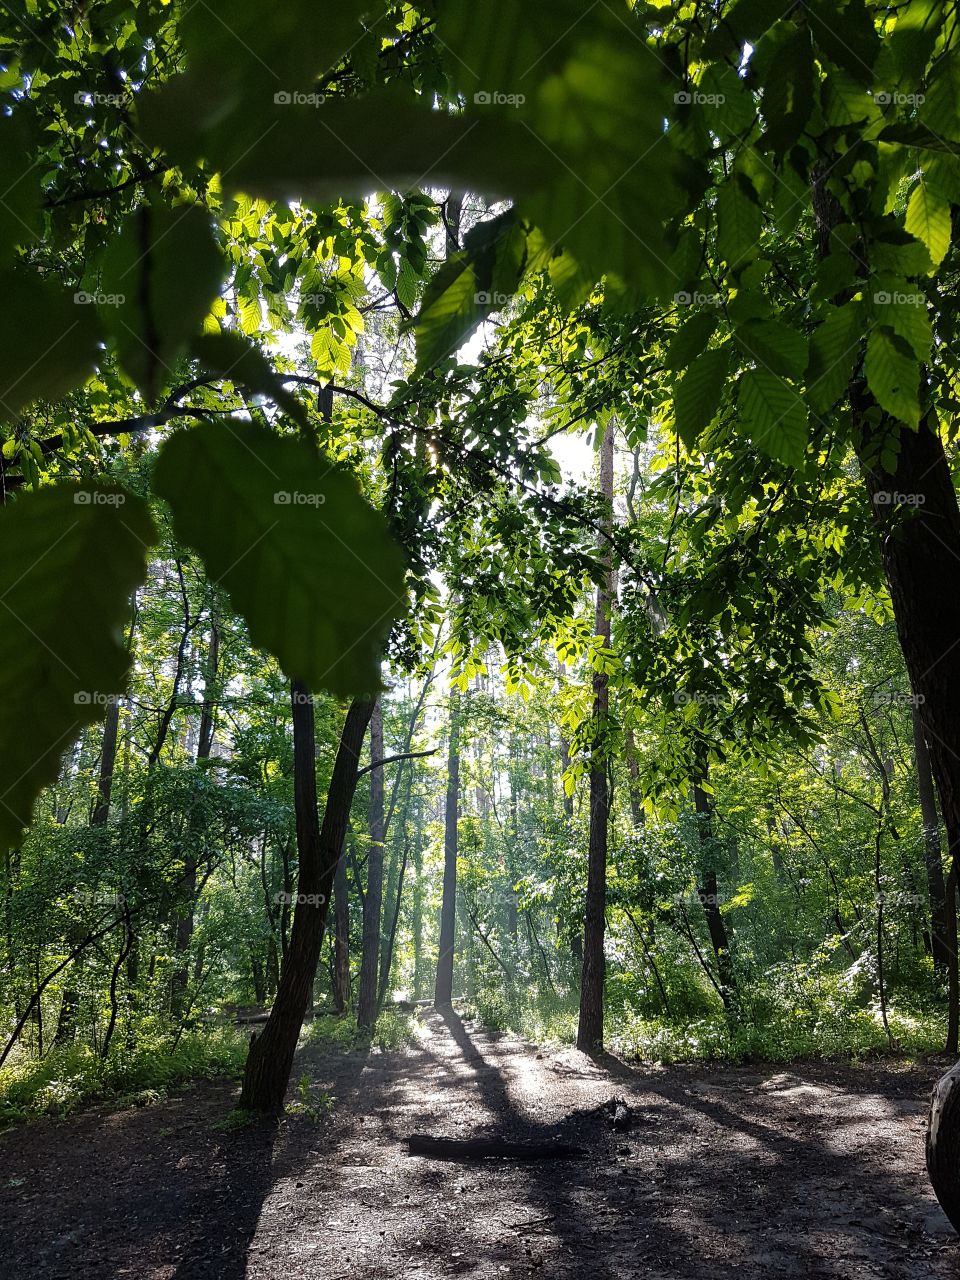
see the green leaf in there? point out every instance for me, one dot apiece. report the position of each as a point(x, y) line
point(690, 339)
point(928, 220)
point(739, 222)
point(834, 346)
point(160, 275)
point(70, 556)
point(940, 110)
point(697, 395)
point(774, 415)
point(774, 345)
point(893, 375)
point(902, 307)
point(788, 88)
point(48, 341)
point(19, 188)
point(229, 357)
point(305, 560)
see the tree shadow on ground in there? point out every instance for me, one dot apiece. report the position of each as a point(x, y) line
point(762, 1172)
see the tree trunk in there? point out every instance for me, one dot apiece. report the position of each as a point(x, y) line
point(373, 898)
point(708, 893)
point(443, 992)
point(590, 1024)
point(341, 938)
point(270, 1058)
point(108, 761)
point(185, 919)
point(920, 550)
point(936, 887)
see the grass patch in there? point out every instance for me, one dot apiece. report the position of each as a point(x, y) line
point(394, 1029)
point(74, 1076)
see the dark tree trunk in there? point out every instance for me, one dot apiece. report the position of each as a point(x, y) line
point(185, 920)
point(936, 888)
point(443, 993)
point(270, 1058)
point(920, 550)
point(708, 893)
point(590, 1023)
point(108, 762)
point(373, 898)
point(341, 938)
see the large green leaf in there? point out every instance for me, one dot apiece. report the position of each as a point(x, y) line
point(19, 188)
point(774, 346)
point(303, 557)
point(48, 341)
point(739, 222)
point(774, 415)
point(893, 375)
point(475, 282)
point(833, 356)
point(928, 220)
point(228, 356)
point(70, 557)
point(697, 395)
point(160, 276)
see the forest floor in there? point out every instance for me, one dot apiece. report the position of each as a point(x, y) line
point(812, 1170)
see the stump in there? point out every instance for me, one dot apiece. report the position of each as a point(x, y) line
point(943, 1143)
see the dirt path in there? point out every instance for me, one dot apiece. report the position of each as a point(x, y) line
point(746, 1173)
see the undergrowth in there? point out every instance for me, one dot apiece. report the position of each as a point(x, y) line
point(74, 1075)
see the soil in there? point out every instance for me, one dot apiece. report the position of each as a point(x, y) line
point(812, 1170)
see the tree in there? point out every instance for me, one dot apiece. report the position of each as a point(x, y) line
point(443, 991)
point(590, 1025)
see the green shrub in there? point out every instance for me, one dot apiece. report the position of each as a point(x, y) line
point(74, 1075)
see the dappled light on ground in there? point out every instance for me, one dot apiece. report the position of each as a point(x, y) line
point(816, 1171)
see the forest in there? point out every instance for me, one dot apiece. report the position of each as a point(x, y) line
point(480, 639)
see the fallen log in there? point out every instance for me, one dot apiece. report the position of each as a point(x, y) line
point(422, 1144)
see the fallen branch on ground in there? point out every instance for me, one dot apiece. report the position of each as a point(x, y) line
point(422, 1144)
